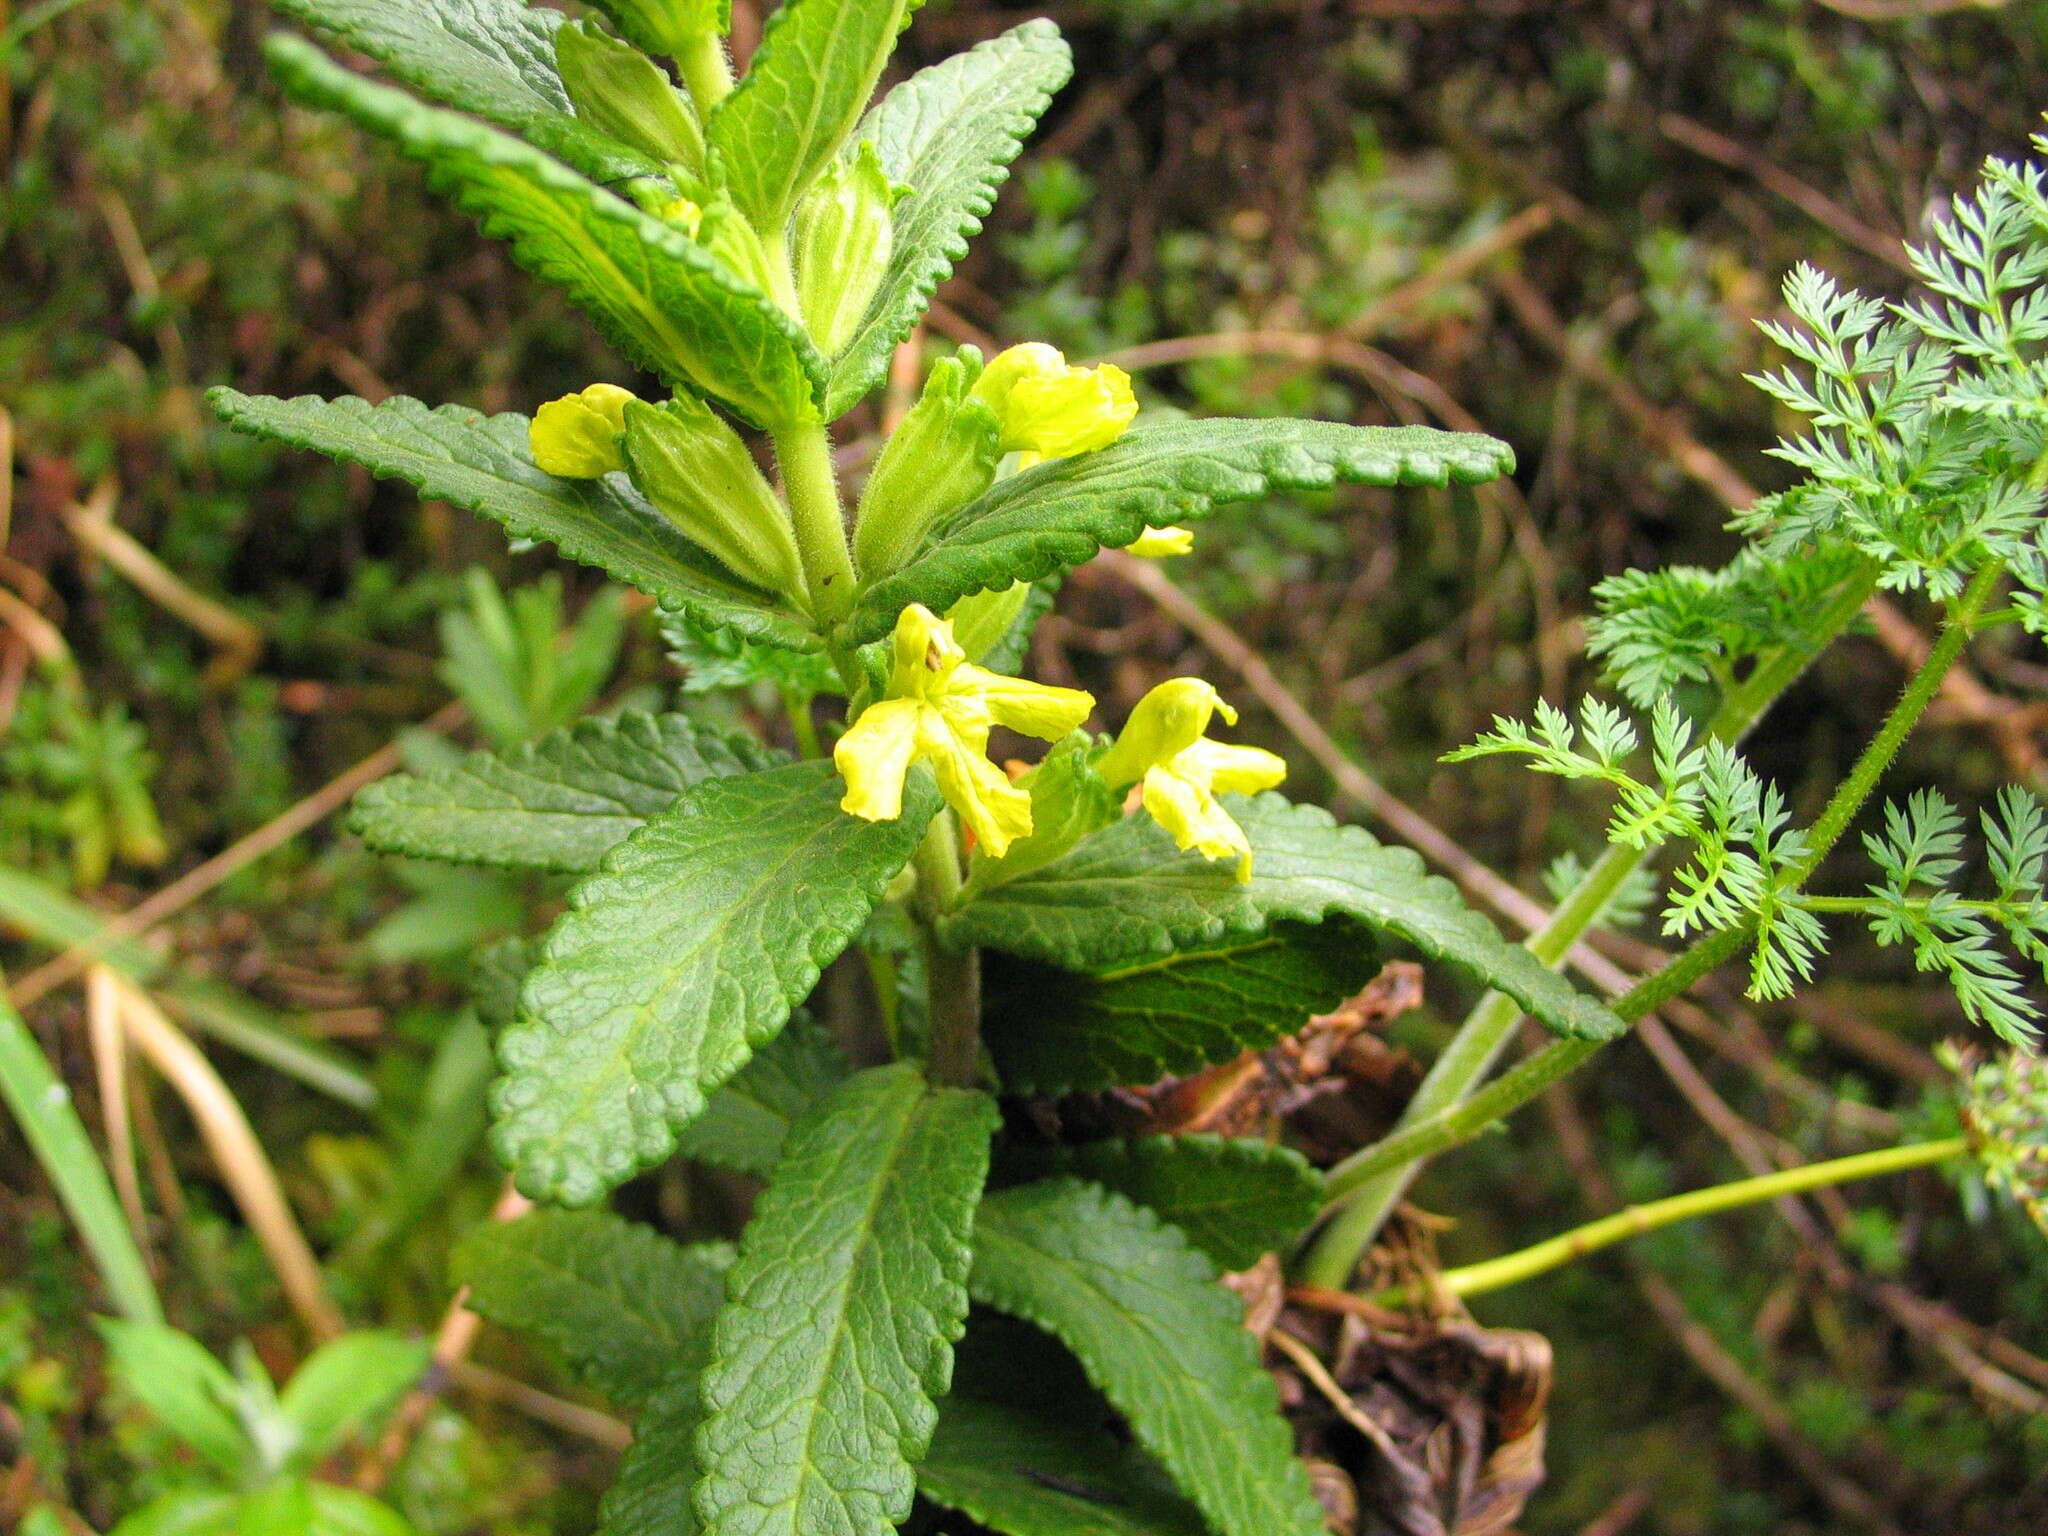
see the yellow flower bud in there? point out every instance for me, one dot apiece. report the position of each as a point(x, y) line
point(577, 436)
point(1165, 745)
point(940, 709)
point(1158, 543)
point(1051, 411)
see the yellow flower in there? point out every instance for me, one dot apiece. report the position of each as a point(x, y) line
point(1051, 411)
point(1158, 543)
point(577, 436)
point(1163, 744)
point(939, 709)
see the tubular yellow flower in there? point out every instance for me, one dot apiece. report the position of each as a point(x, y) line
point(1051, 411)
point(577, 436)
point(939, 709)
point(1164, 745)
point(1158, 543)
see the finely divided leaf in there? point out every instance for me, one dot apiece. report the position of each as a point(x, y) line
point(1126, 893)
point(660, 297)
point(1031, 1474)
point(620, 1302)
point(1061, 1031)
point(1234, 1198)
point(558, 803)
point(949, 133)
point(805, 89)
point(680, 957)
point(745, 1123)
point(1165, 1343)
point(495, 58)
point(484, 465)
point(1058, 514)
point(850, 1290)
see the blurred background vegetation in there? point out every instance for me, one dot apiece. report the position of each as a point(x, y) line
point(1556, 222)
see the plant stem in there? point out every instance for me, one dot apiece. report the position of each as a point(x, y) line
point(952, 976)
point(797, 705)
point(804, 450)
point(706, 71)
point(1539, 1258)
point(51, 1126)
point(1363, 1199)
point(1366, 1184)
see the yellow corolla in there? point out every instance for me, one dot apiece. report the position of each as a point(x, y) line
point(577, 436)
point(1048, 410)
point(1163, 744)
point(1158, 543)
point(939, 709)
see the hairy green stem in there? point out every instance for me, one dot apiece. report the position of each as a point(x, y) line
point(42, 1106)
point(1376, 1176)
point(804, 450)
point(1365, 1186)
point(1540, 1258)
point(952, 976)
point(706, 70)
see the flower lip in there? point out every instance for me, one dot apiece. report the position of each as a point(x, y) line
point(1164, 746)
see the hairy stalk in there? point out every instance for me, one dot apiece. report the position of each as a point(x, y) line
point(1363, 1198)
point(706, 71)
point(952, 976)
point(1371, 1180)
point(1540, 1258)
point(804, 451)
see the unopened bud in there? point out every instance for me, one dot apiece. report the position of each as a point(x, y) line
point(728, 235)
point(699, 475)
point(577, 436)
point(619, 91)
point(942, 456)
point(1051, 410)
point(1158, 543)
point(1162, 725)
point(843, 239)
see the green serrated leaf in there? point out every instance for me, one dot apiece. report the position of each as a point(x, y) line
point(1033, 1475)
point(1060, 513)
point(714, 657)
point(484, 465)
point(659, 1471)
point(679, 958)
point(1126, 894)
point(807, 86)
point(1162, 1340)
point(1234, 1198)
point(660, 297)
point(495, 58)
point(745, 1123)
point(850, 1290)
point(620, 1302)
point(1060, 1031)
point(495, 982)
point(949, 133)
point(558, 803)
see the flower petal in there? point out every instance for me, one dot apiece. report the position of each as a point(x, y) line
point(982, 794)
point(874, 756)
point(1035, 709)
point(1188, 811)
point(1225, 768)
point(1158, 543)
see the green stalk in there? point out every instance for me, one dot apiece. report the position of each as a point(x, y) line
point(1371, 1180)
point(952, 976)
point(1366, 1185)
point(1540, 1258)
point(42, 1105)
point(706, 70)
point(804, 450)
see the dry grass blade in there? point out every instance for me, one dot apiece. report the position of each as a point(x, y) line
point(110, 1069)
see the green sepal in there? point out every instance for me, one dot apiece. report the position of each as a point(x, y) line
point(1060, 513)
point(1235, 1198)
point(677, 960)
point(661, 298)
point(484, 465)
point(1127, 894)
point(560, 803)
point(849, 1293)
point(841, 244)
point(949, 133)
point(495, 58)
point(1069, 801)
point(941, 456)
point(1053, 1031)
point(697, 473)
point(620, 91)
